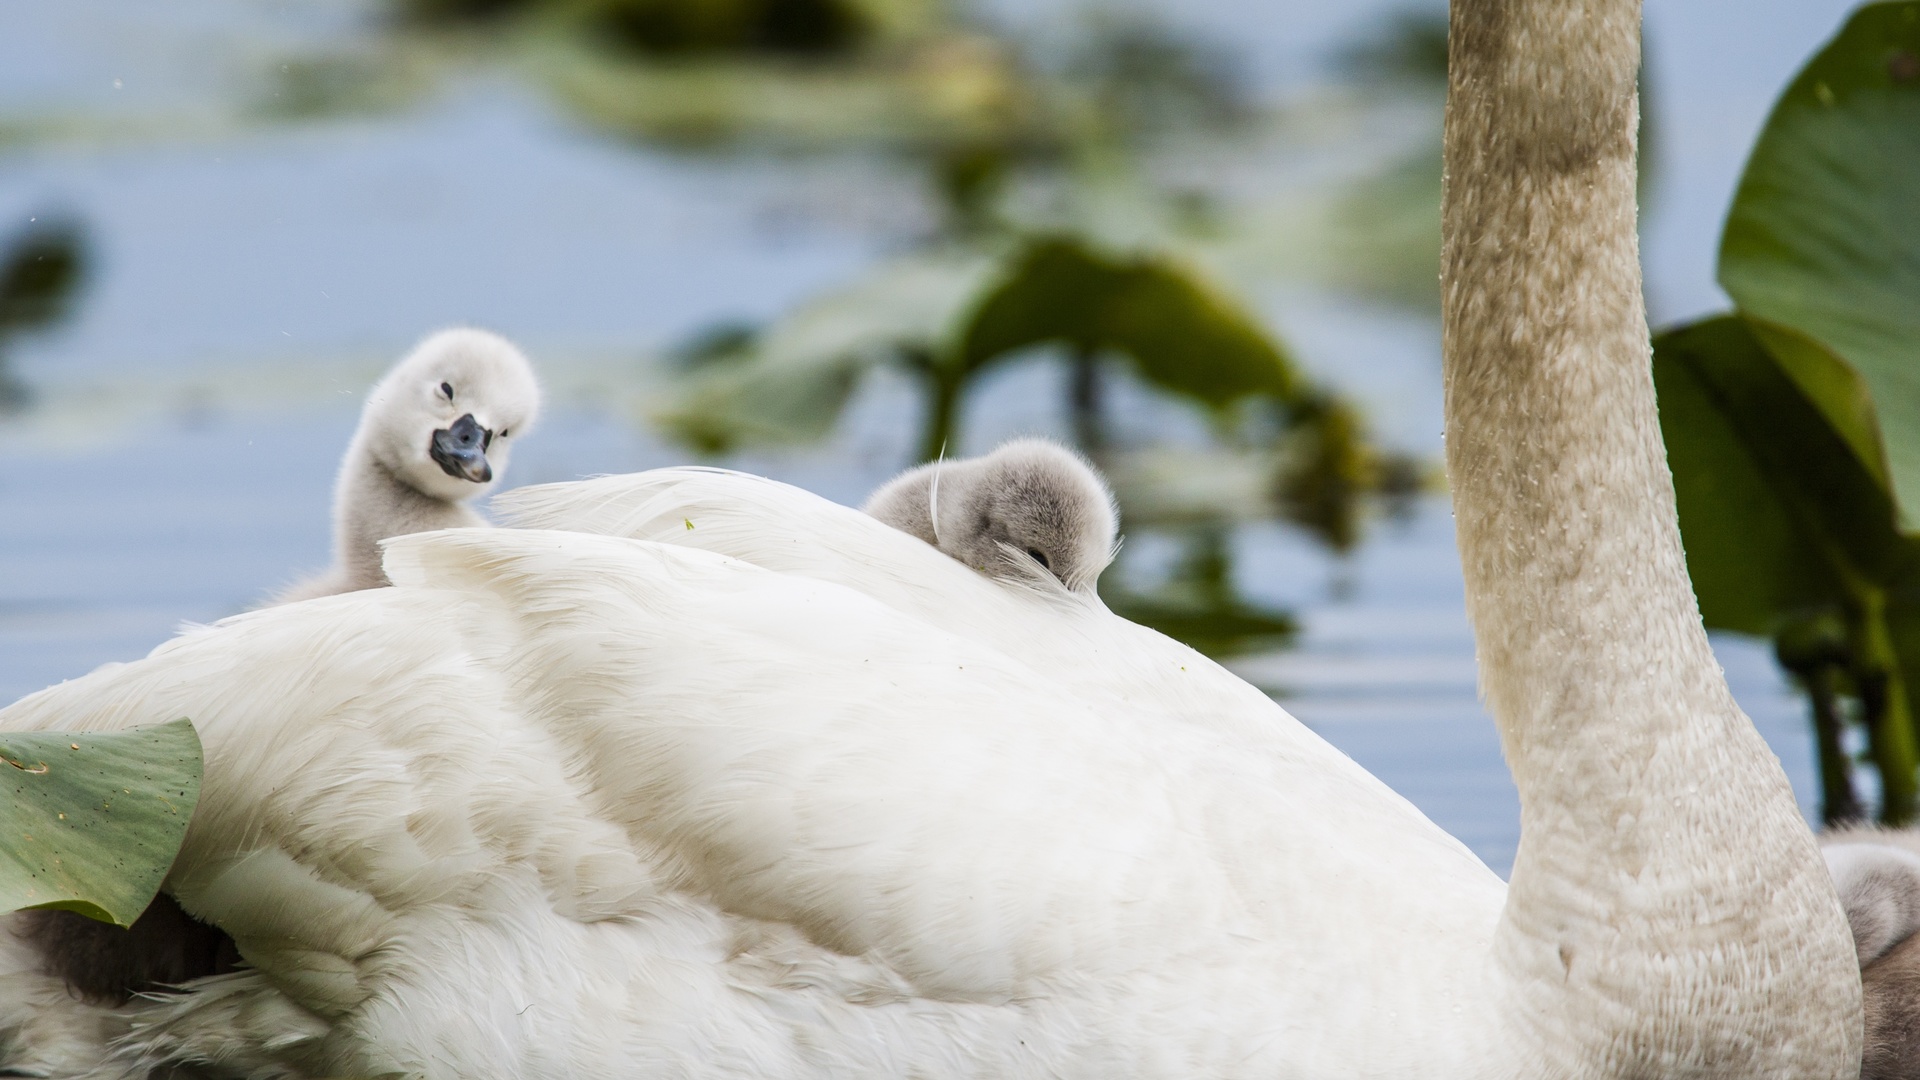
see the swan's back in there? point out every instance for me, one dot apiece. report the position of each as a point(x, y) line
point(567, 803)
point(1069, 637)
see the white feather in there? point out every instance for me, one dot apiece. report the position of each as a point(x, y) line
point(698, 811)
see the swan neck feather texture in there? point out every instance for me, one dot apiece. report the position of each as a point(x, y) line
point(372, 503)
point(1668, 913)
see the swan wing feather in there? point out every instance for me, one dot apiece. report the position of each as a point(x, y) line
point(694, 813)
point(1071, 637)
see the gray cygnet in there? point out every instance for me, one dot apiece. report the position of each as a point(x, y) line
point(1030, 507)
point(1877, 874)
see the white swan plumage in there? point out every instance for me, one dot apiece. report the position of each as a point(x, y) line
point(872, 821)
point(747, 838)
point(822, 802)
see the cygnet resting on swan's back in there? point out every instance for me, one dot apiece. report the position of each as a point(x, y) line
point(1877, 872)
point(785, 529)
point(562, 804)
point(436, 432)
point(1030, 505)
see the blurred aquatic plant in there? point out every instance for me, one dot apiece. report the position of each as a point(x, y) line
point(694, 27)
point(41, 271)
point(332, 84)
point(1381, 232)
point(1385, 235)
point(948, 315)
point(459, 11)
point(1145, 77)
point(970, 178)
point(1197, 602)
point(914, 74)
point(793, 72)
point(1792, 424)
point(1178, 332)
point(1322, 492)
point(789, 381)
point(928, 93)
point(1410, 46)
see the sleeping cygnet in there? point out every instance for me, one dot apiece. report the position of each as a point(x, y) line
point(1877, 873)
point(436, 432)
point(1030, 507)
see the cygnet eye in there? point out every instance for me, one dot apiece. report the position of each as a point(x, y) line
point(1039, 557)
point(505, 431)
point(447, 389)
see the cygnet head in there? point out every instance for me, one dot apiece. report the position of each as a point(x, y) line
point(1032, 506)
point(446, 418)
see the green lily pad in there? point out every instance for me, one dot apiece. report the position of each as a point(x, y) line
point(1824, 234)
point(1832, 386)
point(91, 821)
point(1778, 515)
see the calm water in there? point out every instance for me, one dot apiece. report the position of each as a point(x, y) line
point(251, 279)
point(104, 550)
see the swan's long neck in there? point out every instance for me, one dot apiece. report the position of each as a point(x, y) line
point(372, 503)
point(1668, 906)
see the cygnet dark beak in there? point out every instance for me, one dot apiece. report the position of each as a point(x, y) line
point(461, 450)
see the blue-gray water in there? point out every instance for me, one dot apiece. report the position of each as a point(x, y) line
point(252, 277)
point(104, 550)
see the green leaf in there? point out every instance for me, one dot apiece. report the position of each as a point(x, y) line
point(1824, 234)
point(1181, 333)
point(1778, 515)
point(1901, 615)
point(92, 821)
point(790, 384)
point(1329, 471)
point(1833, 387)
point(745, 402)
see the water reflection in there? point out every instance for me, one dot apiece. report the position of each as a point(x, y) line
point(1196, 601)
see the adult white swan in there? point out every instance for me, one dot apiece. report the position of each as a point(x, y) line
point(823, 802)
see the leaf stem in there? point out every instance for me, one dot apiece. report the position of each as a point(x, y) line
point(1884, 706)
point(1084, 397)
point(1839, 803)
